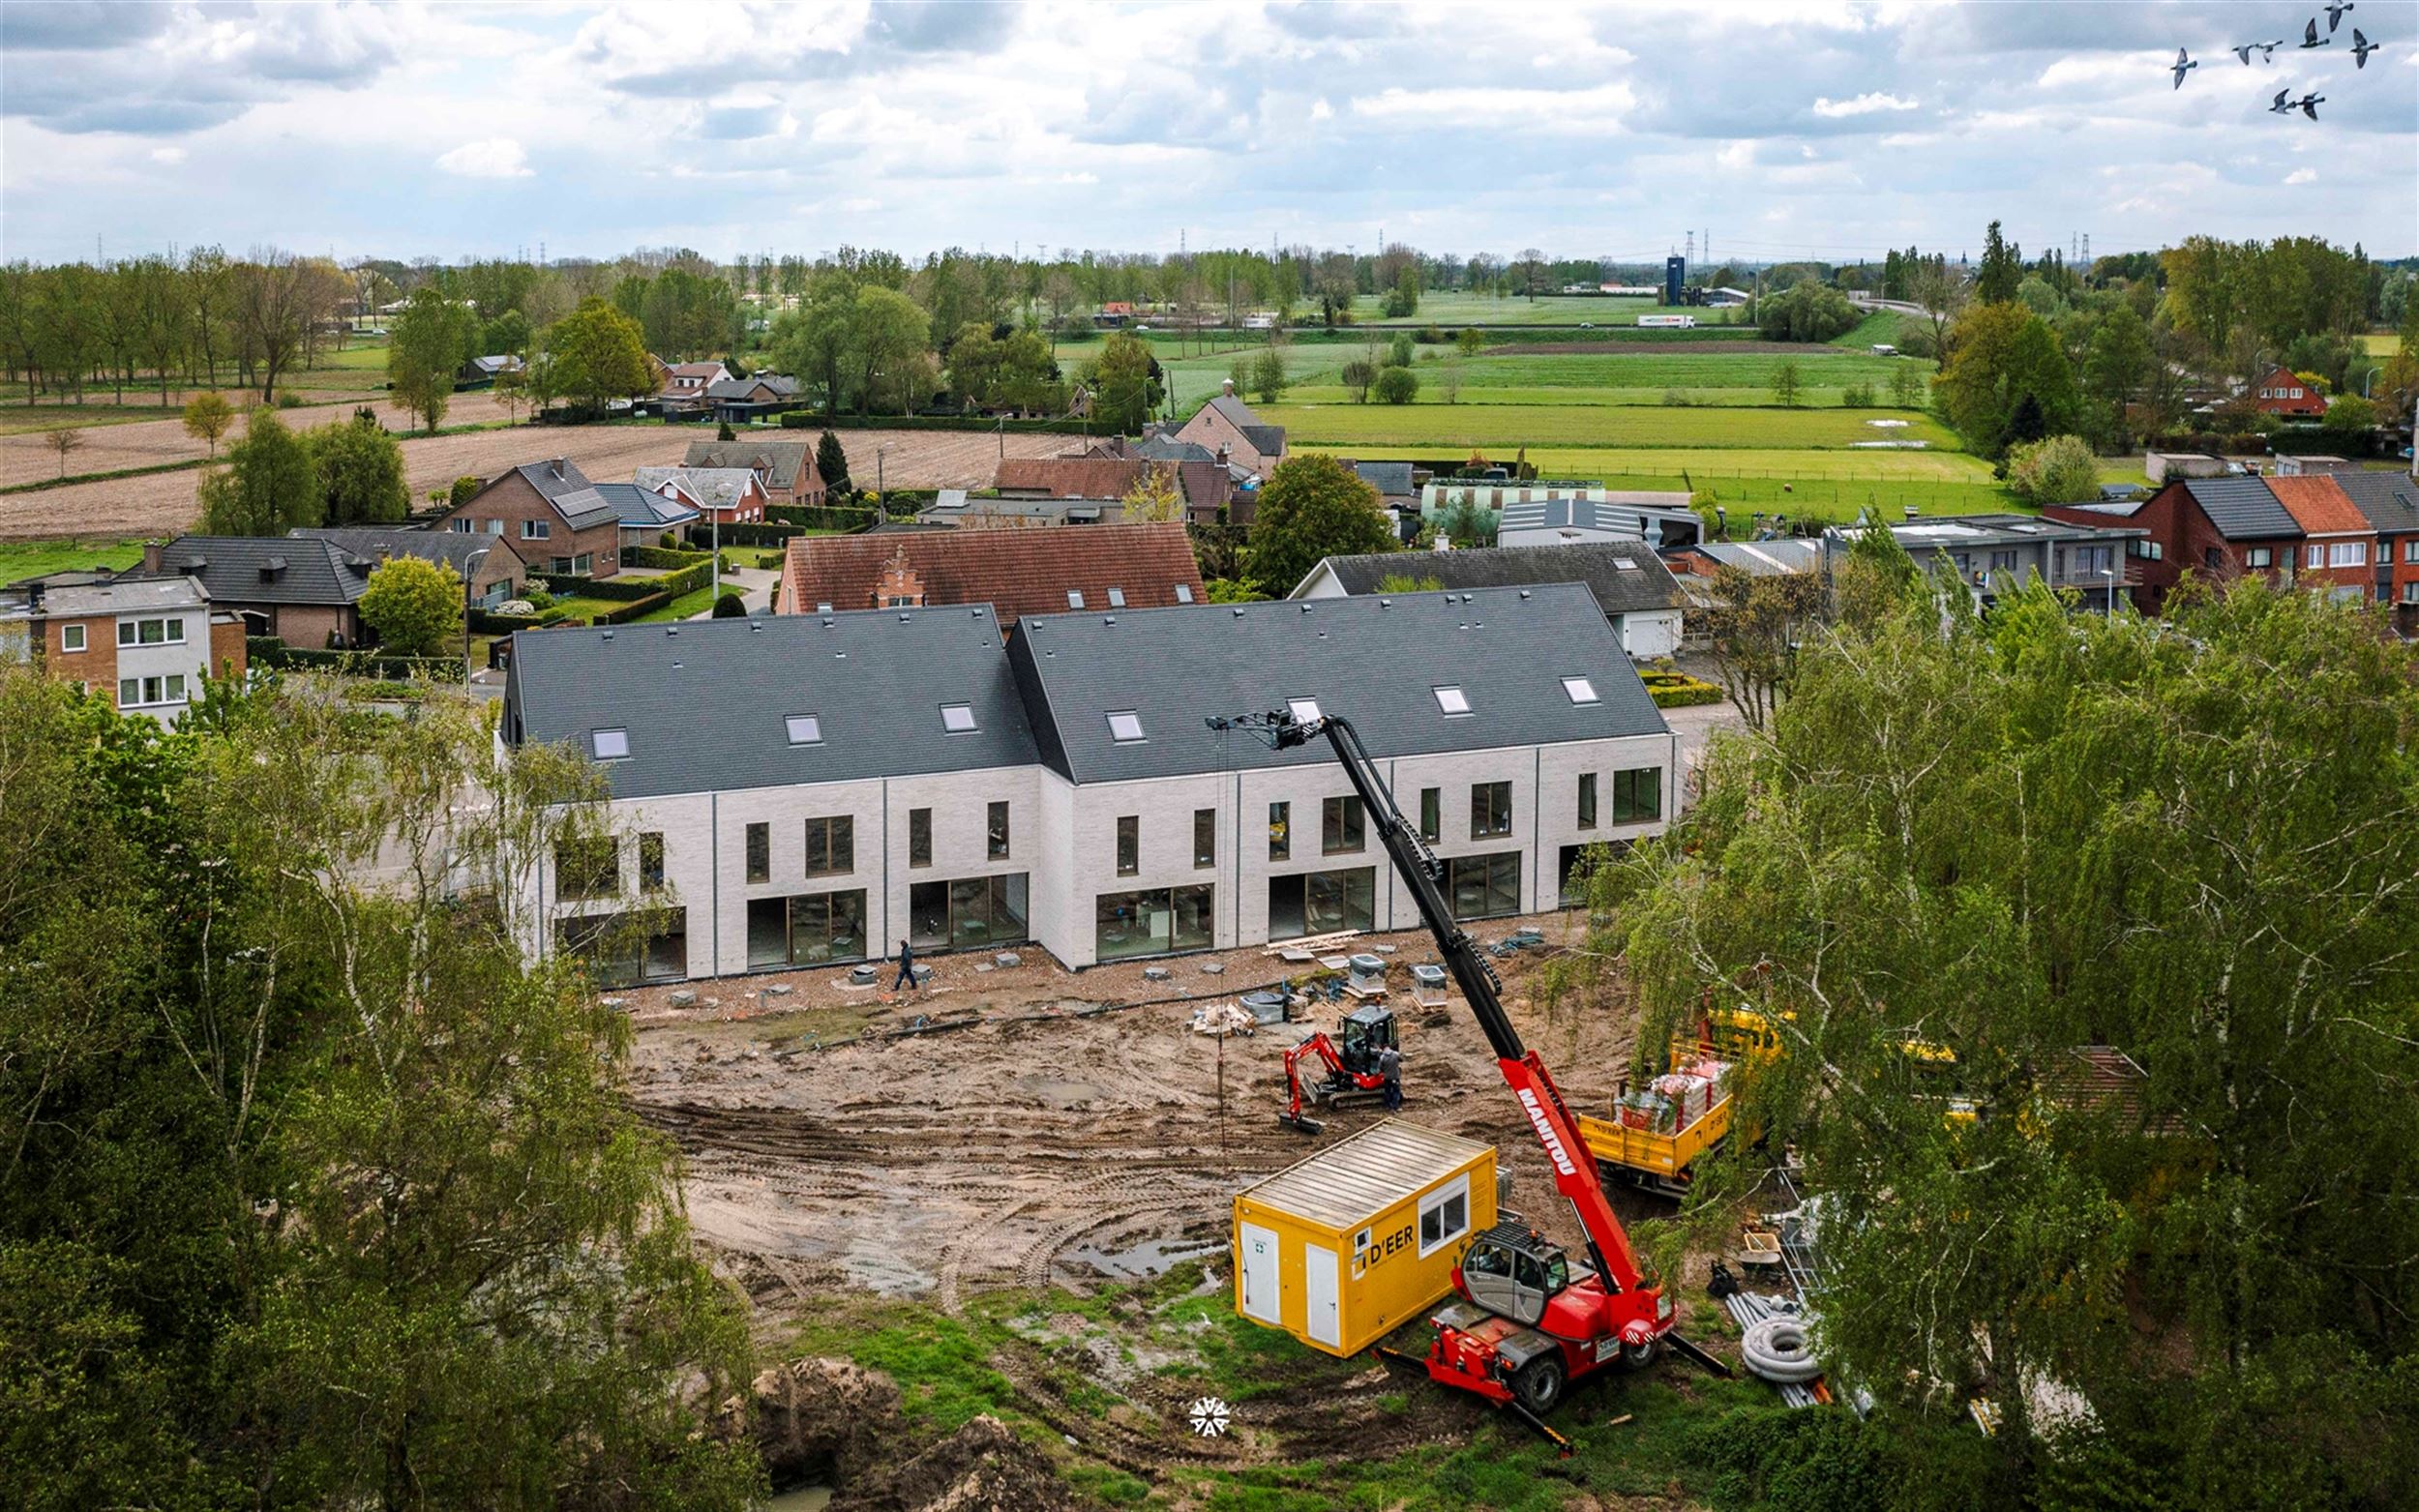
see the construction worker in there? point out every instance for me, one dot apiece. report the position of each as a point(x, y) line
point(906, 967)
point(1390, 1067)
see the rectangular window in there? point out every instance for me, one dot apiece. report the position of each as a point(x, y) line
point(995, 831)
point(609, 745)
point(1117, 597)
point(1075, 598)
point(1579, 689)
point(759, 853)
point(805, 729)
point(1340, 825)
point(830, 845)
point(1484, 887)
point(972, 913)
point(2410, 593)
point(957, 719)
point(562, 566)
point(1638, 795)
point(1129, 844)
point(1431, 812)
point(1183, 593)
point(1587, 800)
point(618, 955)
point(151, 631)
point(71, 638)
point(2314, 556)
point(823, 927)
point(1205, 837)
point(1152, 922)
point(129, 691)
point(175, 691)
point(1491, 810)
point(651, 860)
point(2411, 549)
point(1281, 826)
point(2254, 556)
point(2347, 553)
point(1322, 902)
point(536, 531)
point(583, 565)
point(586, 867)
point(919, 837)
point(1125, 727)
point(1451, 700)
point(1444, 1216)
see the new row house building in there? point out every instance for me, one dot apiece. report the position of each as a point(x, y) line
point(906, 774)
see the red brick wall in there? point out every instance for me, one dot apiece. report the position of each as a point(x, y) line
point(96, 666)
point(512, 499)
point(227, 648)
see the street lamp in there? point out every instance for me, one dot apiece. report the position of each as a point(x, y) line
point(2109, 572)
point(881, 494)
point(2363, 380)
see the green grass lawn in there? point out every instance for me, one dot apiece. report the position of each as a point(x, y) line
point(38, 559)
point(1393, 428)
point(2381, 345)
point(686, 606)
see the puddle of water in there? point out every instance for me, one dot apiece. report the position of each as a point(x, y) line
point(1145, 1261)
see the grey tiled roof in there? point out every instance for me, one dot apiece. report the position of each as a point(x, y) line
point(585, 509)
point(1391, 478)
point(1375, 663)
point(781, 461)
point(1266, 439)
point(1168, 449)
point(716, 488)
point(705, 709)
point(550, 485)
point(269, 569)
point(2242, 508)
point(2389, 499)
point(1625, 579)
point(741, 388)
point(640, 509)
point(460, 550)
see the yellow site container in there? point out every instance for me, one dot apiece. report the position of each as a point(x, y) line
point(1340, 1249)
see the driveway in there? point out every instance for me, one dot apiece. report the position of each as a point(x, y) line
point(755, 589)
point(1693, 726)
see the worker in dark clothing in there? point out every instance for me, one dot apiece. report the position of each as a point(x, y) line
point(906, 967)
point(1390, 1067)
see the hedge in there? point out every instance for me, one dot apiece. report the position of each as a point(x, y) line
point(798, 420)
point(819, 516)
point(657, 556)
point(695, 575)
point(760, 535)
point(1679, 689)
point(636, 608)
point(270, 651)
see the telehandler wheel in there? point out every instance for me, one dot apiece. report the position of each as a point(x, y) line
point(1538, 1384)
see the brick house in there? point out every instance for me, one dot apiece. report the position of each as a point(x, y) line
point(1227, 422)
point(2339, 544)
point(2281, 392)
point(144, 642)
point(2213, 527)
point(785, 469)
point(2390, 502)
point(551, 517)
point(490, 575)
point(1107, 568)
point(1205, 487)
point(686, 382)
point(2151, 567)
point(304, 591)
point(718, 495)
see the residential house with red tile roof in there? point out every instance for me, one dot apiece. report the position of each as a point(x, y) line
point(1103, 568)
point(2337, 541)
point(2281, 391)
point(1203, 486)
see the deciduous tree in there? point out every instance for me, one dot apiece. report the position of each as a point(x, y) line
point(432, 336)
point(414, 606)
point(207, 416)
point(596, 353)
point(268, 485)
point(361, 472)
point(1312, 506)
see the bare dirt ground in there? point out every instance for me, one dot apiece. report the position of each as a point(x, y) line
point(166, 503)
point(1059, 1136)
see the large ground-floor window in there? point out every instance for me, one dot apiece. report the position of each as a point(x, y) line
point(1579, 862)
point(811, 929)
point(1322, 902)
point(970, 913)
point(1153, 922)
point(1484, 887)
point(622, 949)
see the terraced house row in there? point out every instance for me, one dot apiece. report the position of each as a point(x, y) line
point(811, 789)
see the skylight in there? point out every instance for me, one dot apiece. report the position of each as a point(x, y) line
point(1117, 597)
point(1304, 710)
point(1125, 726)
point(1581, 690)
point(806, 729)
point(958, 719)
point(609, 745)
point(1452, 699)
point(1075, 598)
point(1183, 593)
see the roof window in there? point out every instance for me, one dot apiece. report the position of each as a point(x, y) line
point(1075, 598)
point(1125, 726)
point(805, 729)
point(1183, 593)
point(609, 745)
point(958, 719)
point(1304, 710)
point(1452, 699)
point(1117, 597)
point(1581, 690)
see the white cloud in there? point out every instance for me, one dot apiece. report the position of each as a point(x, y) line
point(1549, 109)
point(2301, 176)
point(1321, 110)
point(1862, 104)
point(489, 158)
point(170, 156)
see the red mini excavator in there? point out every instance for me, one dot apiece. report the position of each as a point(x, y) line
point(1530, 1321)
point(1352, 1068)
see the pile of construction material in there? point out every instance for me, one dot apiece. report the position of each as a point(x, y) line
point(1677, 1098)
point(1775, 1344)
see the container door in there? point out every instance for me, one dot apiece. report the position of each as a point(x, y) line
point(1320, 1316)
point(1261, 1300)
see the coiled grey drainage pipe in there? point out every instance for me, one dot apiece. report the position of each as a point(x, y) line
point(1777, 1350)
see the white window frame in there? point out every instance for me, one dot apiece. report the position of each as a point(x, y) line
point(2347, 553)
point(1133, 722)
point(1450, 700)
point(1117, 597)
point(1578, 690)
point(951, 716)
point(72, 637)
point(536, 531)
point(598, 742)
point(2258, 556)
point(804, 729)
point(1075, 598)
point(1183, 593)
point(2314, 554)
point(1459, 1187)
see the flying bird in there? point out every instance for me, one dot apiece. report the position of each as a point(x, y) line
point(2184, 65)
point(2310, 104)
point(2362, 46)
point(2282, 103)
point(2334, 13)
point(2265, 50)
point(2310, 37)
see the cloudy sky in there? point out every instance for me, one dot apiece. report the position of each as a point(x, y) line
point(1786, 127)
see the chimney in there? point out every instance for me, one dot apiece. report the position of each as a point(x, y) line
point(555, 465)
point(1226, 386)
point(1222, 448)
point(152, 551)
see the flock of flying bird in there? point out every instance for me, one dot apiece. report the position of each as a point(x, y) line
point(2283, 104)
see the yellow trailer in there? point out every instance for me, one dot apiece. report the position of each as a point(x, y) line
point(1340, 1249)
point(1660, 1159)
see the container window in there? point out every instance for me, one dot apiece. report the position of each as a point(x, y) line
point(1444, 1216)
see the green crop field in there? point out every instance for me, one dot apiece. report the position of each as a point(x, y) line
point(1503, 427)
point(1562, 310)
point(39, 558)
point(2381, 345)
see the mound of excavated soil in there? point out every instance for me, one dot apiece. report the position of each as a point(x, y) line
point(981, 1467)
point(822, 1420)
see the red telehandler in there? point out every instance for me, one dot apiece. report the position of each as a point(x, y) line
point(1530, 1321)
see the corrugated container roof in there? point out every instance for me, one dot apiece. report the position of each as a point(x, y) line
point(1357, 1178)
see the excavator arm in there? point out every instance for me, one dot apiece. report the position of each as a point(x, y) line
point(1532, 1084)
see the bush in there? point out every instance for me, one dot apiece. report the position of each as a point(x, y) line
point(1788, 1461)
point(636, 608)
point(289, 399)
point(758, 535)
point(1396, 386)
point(269, 651)
point(1857, 396)
point(465, 490)
point(1431, 336)
point(731, 606)
point(2056, 470)
point(1676, 398)
point(1398, 352)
